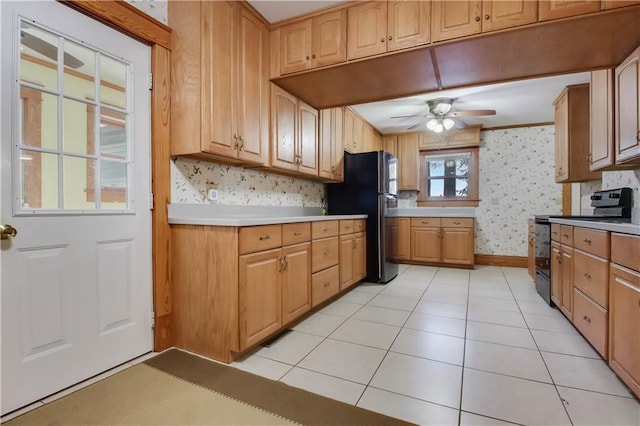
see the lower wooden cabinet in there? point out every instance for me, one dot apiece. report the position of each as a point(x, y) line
point(442, 240)
point(555, 264)
point(352, 259)
point(567, 281)
point(591, 319)
point(400, 242)
point(296, 281)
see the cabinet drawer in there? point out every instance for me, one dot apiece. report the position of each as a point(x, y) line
point(566, 234)
point(591, 320)
point(625, 250)
point(294, 233)
point(324, 229)
point(324, 253)
point(591, 276)
point(425, 221)
point(592, 241)
point(346, 226)
point(258, 238)
point(555, 232)
point(325, 284)
point(456, 222)
point(359, 225)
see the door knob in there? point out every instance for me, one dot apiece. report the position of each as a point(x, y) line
point(7, 232)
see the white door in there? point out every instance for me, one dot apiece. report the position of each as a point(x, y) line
point(75, 130)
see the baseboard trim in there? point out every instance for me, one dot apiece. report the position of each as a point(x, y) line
point(495, 260)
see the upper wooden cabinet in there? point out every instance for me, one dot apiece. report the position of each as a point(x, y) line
point(294, 139)
point(572, 135)
point(454, 138)
point(601, 153)
point(390, 144)
point(408, 162)
point(627, 108)
point(331, 149)
point(312, 43)
point(453, 19)
point(565, 8)
point(378, 27)
point(497, 15)
point(220, 91)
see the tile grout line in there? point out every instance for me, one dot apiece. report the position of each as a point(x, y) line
point(464, 351)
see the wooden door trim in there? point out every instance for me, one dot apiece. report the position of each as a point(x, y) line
point(127, 19)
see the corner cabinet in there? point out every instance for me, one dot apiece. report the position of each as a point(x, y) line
point(408, 162)
point(294, 139)
point(220, 87)
point(627, 117)
point(572, 135)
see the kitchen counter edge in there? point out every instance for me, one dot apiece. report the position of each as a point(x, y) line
point(253, 221)
point(624, 228)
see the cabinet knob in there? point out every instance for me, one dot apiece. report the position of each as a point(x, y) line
point(307, 57)
point(390, 38)
point(313, 56)
point(381, 39)
point(477, 18)
point(487, 17)
point(327, 284)
point(587, 319)
point(326, 253)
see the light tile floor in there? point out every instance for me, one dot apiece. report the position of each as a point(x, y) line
point(448, 346)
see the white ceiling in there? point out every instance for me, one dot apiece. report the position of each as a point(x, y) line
point(518, 102)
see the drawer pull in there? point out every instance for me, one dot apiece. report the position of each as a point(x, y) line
point(325, 229)
point(327, 284)
point(297, 233)
point(456, 223)
point(327, 253)
point(587, 319)
point(265, 237)
point(586, 240)
point(282, 264)
point(565, 235)
point(424, 222)
point(586, 275)
point(347, 227)
point(555, 232)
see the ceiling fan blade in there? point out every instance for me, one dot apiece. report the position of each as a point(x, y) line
point(49, 50)
point(409, 116)
point(460, 124)
point(473, 113)
point(415, 126)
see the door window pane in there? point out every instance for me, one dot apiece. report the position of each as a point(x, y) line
point(79, 71)
point(38, 56)
point(113, 176)
point(39, 173)
point(113, 134)
point(77, 178)
point(113, 82)
point(76, 126)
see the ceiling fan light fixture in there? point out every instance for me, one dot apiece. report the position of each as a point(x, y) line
point(448, 123)
point(431, 124)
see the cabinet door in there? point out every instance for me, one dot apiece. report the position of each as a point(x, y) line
point(627, 87)
point(253, 88)
point(502, 14)
point(457, 246)
point(409, 23)
point(296, 281)
point(324, 144)
point(295, 47)
point(367, 29)
point(555, 9)
point(308, 139)
point(601, 119)
point(259, 296)
point(218, 114)
point(346, 261)
point(349, 124)
point(612, 4)
point(451, 19)
point(359, 257)
point(404, 239)
point(561, 119)
point(329, 39)
point(358, 134)
point(337, 145)
point(556, 274)
point(408, 162)
point(463, 137)
point(425, 244)
point(567, 282)
point(390, 144)
point(624, 325)
point(283, 129)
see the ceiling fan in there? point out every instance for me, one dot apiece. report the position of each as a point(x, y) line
point(47, 49)
point(442, 117)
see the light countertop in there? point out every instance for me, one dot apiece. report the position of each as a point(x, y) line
point(432, 212)
point(625, 228)
point(213, 215)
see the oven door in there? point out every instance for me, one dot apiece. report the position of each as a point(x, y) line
point(543, 248)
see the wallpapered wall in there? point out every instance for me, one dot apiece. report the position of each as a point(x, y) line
point(611, 180)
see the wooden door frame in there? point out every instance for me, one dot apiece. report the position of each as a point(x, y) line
point(127, 19)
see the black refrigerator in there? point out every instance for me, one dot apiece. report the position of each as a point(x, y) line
point(370, 187)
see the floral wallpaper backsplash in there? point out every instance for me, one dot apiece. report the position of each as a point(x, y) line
point(238, 186)
point(516, 182)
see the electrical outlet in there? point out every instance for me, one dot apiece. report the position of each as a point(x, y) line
point(212, 191)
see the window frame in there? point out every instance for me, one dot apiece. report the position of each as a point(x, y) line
point(472, 197)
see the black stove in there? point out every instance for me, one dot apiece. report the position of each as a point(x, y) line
point(611, 206)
